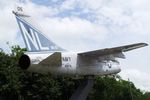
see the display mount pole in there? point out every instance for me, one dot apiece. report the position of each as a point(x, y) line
point(83, 90)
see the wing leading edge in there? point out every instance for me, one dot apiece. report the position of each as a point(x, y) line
point(115, 50)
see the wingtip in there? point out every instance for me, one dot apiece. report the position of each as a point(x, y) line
point(145, 44)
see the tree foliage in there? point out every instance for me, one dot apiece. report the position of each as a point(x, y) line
point(16, 84)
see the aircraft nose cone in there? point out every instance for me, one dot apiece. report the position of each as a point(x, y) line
point(119, 70)
point(116, 69)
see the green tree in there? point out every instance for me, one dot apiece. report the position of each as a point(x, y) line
point(108, 88)
point(145, 96)
point(9, 76)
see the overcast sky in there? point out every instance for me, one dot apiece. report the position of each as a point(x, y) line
point(78, 25)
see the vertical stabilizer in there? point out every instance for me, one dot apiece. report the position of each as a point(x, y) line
point(34, 39)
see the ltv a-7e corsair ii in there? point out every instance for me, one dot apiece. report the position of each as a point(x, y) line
point(44, 56)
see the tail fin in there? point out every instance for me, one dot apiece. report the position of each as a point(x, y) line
point(34, 39)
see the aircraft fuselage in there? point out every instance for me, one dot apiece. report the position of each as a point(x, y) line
point(72, 64)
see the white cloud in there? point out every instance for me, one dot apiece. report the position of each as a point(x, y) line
point(75, 31)
point(68, 4)
point(120, 16)
point(140, 79)
point(8, 29)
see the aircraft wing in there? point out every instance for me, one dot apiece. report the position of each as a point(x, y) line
point(115, 50)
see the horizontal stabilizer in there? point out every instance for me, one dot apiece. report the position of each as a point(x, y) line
point(115, 50)
point(52, 60)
